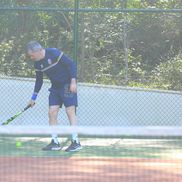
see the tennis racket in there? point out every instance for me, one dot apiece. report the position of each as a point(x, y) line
point(15, 116)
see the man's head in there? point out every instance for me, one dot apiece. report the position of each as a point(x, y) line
point(35, 51)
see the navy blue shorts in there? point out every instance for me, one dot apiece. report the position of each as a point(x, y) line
point(62, 96)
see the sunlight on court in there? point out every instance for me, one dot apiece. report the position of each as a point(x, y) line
point(173, 154)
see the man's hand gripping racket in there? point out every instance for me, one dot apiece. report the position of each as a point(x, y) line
point(16, 115)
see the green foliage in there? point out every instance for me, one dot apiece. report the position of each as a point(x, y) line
point(137, 49)
point(168, 75)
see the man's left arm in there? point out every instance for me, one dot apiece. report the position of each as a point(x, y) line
point(72, 71)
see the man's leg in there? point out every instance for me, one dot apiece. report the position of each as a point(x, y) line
point(53, 114)
point(75, 144)
point(71, 113)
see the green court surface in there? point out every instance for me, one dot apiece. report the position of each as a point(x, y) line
point(94, 147)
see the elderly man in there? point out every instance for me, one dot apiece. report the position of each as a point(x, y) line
point(61, 71)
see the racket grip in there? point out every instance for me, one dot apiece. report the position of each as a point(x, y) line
point(27, 107)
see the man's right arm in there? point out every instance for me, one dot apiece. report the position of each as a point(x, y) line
point(37, 87)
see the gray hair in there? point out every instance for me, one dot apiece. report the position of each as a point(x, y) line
point(33, 46)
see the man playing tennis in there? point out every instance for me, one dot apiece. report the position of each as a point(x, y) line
point(61, 71)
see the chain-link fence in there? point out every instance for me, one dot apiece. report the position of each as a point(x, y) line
point(128, 56)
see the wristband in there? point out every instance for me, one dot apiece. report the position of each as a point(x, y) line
point(34, 96)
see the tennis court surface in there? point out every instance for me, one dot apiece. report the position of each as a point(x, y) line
point(116, 159)
point(137, 136)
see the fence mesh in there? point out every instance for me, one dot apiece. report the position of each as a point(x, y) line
point(129, 62)
point(99, 105)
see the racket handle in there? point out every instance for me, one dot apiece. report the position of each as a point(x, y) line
point(27, 107)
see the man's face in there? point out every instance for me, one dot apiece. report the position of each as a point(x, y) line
point(35, 55)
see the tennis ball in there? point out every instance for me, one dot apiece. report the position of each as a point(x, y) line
point(18, 144)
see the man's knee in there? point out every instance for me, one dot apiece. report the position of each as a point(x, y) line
point(53, 112)
point(71, 110)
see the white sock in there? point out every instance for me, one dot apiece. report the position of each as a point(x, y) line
point(74, 137)
point(55, 138)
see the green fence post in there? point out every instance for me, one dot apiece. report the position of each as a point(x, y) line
point(75, 31)
point(125, 39)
